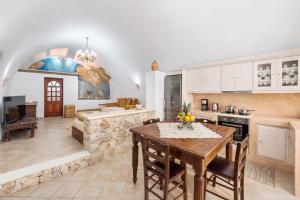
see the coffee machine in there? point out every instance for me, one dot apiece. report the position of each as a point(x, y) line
point(204, 104)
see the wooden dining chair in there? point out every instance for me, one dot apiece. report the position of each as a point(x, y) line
point(231, 173)
point(151, 121)
point(162, 172)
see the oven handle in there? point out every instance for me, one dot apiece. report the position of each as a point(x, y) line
point(237, 126)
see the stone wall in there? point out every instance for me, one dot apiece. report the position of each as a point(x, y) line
point(43, 174)
point(106, 135)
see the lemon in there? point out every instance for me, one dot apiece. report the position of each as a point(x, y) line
point(187, 118)
point(192, 118)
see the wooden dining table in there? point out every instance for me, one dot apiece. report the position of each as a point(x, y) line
point(196, 152)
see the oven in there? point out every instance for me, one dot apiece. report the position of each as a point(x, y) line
point(241, 126)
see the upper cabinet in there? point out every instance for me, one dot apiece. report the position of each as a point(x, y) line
point(288, 73)
point(278, 75)
point(236, 77)
point(203, 80)
point(264, 75)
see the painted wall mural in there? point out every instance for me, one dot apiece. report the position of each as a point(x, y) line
point(93, 82)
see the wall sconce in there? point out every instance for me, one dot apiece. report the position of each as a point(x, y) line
point(137, 83)
point(138, 86)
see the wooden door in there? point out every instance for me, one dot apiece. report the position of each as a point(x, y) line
point(53, 94)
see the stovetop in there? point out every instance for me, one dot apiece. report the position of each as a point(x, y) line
point(249, 115)
point(236, 113)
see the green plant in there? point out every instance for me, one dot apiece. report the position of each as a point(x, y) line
point(186, 108)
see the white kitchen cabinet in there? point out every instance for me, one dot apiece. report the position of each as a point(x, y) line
point(288, 73)
point(272, 142)
point(264, 75)
point(236, 77)
point(228, 82)
point(204, 79)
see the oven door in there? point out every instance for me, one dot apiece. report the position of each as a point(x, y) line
point(238, 134)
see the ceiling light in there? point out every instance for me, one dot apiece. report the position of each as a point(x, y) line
point(87, 55)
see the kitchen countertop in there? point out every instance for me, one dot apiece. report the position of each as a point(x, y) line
point(209, 112)
point(115, 113)
point(260, 118)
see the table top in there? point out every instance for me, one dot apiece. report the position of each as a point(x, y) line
point(200, 147)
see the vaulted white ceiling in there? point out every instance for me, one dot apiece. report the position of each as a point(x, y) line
point(129, 34)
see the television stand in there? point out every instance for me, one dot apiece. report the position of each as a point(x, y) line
point(25, 123)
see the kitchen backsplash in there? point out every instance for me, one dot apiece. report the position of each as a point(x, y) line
point(286, 105)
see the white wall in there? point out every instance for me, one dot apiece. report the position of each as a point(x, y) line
point(32, 86)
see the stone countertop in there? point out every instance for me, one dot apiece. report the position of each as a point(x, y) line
point(115, 113)
point(260, 118)
point(209, 112)
point(292, 122)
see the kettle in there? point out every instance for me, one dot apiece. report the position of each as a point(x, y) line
point(215, 107)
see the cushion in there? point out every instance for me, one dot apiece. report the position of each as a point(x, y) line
point(123, 102)
point(135, 101)
point(129, 101)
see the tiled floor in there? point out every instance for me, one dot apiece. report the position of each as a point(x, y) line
point(111, 179)
point(52, 140)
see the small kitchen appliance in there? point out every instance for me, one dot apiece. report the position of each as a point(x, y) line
point(215, 107)
point(204, 104)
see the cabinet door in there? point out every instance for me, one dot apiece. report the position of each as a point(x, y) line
point(228, 74)
point(271, 142)
point(288, 73)
point(204, 79)
point(195, 80)
point(243, 77)
point(264, 75)
point(212, 79)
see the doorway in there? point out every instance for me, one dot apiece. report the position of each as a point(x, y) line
point(53, 97)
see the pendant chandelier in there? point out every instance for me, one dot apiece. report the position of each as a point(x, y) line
point(87, 55)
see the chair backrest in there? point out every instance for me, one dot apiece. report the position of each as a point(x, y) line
point(156, 156)
point(240, 158)
point(151, 121)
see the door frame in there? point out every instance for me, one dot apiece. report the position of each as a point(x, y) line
point(46, 81)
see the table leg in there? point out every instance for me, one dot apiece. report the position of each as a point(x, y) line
point(199, 187)
point(32, 131)
point(7, 138)
point(135, 158)
point(199, 183)
point(229, 151)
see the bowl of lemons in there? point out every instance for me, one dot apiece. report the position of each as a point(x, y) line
point(185, 118)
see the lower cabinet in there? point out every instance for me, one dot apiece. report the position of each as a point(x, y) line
point(273, 142)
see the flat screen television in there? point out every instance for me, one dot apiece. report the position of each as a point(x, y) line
point(14, 109)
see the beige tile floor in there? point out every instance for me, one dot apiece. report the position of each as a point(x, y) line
point(52, 140)
point(111, 179)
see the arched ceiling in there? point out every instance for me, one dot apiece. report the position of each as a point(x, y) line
point(128, 34)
